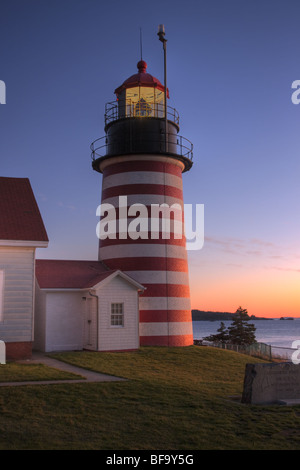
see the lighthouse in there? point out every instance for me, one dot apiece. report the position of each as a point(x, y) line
point(142, 158)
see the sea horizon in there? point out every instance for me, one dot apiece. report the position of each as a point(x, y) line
point(277, 333)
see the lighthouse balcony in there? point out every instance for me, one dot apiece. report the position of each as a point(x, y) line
point(172, 145)
point(139, 126)
point(129, 108)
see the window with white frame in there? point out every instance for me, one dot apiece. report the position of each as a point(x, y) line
point(1, 294)
point(117, 314)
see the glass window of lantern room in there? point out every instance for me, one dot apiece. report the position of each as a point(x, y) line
point(144, 102)
point(132, 97)
point(159, 103)
point(122, 111)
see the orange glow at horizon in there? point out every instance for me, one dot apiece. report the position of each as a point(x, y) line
point(264, 293)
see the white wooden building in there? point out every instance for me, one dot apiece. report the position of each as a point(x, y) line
point(21, 232)
point(57, 305)
point(83, 305)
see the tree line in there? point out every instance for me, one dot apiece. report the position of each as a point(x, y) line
point(240, 331)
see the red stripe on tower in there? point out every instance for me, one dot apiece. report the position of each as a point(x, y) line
point(127, 189)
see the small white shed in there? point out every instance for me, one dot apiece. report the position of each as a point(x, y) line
point(81, 305)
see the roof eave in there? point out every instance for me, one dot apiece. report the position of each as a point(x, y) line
point(25, 243)
point(127, 278)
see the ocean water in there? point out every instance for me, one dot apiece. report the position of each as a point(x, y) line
point(277, 333)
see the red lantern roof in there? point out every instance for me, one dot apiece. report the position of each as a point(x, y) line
point(142, 78)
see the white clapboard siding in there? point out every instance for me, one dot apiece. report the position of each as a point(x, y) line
point(39, 318)
point(16, 321)
point(118, 338)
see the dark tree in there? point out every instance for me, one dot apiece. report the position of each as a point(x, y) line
point(220, 337)
point(241, 331)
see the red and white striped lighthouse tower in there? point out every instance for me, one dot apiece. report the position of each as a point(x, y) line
point(142, 163)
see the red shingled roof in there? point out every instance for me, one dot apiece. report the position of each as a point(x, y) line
point(69, 274)
point(142, 78)
point(20, 218)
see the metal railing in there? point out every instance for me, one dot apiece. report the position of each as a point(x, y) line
point(255, 349)
point(266, 351)
point(119, 110)
point(282, 353)
point(176, 144)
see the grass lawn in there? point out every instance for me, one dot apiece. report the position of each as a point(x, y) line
point(175, 398)
point(16, 372)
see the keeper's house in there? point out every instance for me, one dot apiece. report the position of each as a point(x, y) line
point(57, 305)
point(22, 231)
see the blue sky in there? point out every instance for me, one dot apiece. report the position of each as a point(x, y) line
point(230, 69)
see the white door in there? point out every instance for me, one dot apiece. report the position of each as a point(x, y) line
point(90, 323)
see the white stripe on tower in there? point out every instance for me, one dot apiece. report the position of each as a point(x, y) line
point(159, 264)
point(142, 177)
point(146, 250)
point(160, 277)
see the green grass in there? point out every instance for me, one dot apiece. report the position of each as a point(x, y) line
point(175, 398)
point(17, 372)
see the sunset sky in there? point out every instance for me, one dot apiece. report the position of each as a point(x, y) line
point(231, 64)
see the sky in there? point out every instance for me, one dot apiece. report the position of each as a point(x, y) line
point(230, 68)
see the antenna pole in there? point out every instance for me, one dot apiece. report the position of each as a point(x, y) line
point(141, 44)
point(161, 35)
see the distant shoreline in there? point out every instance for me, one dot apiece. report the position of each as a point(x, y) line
point(200, 315)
